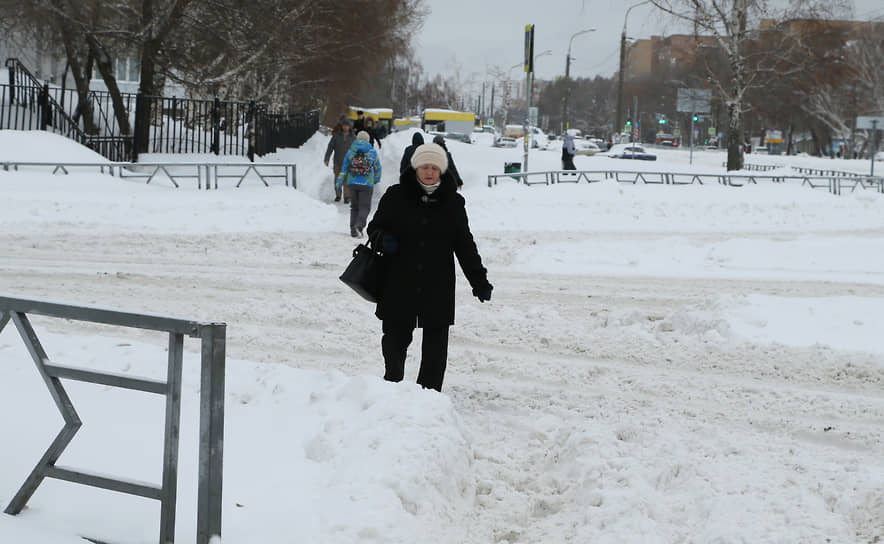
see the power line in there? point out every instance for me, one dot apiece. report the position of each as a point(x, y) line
point(612, 54)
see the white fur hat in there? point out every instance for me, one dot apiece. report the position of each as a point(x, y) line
point(363, 136)
point(430, 154)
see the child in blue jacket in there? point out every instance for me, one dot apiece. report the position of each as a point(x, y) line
point(360, 172)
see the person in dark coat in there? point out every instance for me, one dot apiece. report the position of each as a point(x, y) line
point(422, 224)
point(340, 142)
point(372, 133)
point(568, 152)
point(359, 123)
point(416, 140)
point(440, 141)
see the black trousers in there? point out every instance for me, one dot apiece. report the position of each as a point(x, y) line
point(434, 354)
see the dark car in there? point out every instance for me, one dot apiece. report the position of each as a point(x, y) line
point(459, 137)
point(630, 151)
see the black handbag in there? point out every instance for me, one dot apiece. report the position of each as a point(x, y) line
point(367, 271)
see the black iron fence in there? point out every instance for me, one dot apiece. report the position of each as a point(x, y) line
point(152, 124)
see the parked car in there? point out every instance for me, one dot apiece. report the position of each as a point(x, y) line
point(585, 147)
point(458, 137)
point(630, 151)
point(506, 141)
point(539, 139)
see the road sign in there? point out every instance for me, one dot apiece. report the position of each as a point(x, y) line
point(532, 116)
point(529, 48)
point(710, 131)
point(873, 123)
point(694, 100)
point(870, 122)
point(773, 136)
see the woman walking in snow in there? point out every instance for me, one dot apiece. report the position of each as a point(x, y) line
point(422, 223)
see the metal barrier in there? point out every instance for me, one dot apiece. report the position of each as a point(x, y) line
point(211, 434)
point(757, 167)
point(161, 124)
point(833, 183)
point(826, 172)
point(205, 174)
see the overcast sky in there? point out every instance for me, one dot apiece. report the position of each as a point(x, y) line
point(467, 36)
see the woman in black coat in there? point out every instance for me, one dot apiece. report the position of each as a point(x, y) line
point(423, 225)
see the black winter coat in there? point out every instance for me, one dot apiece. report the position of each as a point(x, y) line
point(431, 230)
point(416, 140)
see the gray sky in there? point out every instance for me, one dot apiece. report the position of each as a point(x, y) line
point(467, 36)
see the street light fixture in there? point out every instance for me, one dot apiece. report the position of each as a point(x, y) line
point(619, 121)
point(565, 100)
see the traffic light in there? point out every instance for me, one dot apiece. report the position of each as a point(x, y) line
point(696, 118)
point(662, 121)
point(628, 122)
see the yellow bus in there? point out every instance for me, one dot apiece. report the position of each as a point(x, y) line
point(380, 116)
point(448, 121)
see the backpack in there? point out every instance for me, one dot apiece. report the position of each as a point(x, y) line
point(360, 164)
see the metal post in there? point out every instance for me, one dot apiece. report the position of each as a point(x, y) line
point(138, 134)
point(216, 126)
point(170, 444)
point(874, 143)
point(566, 99)
point(492, 105)
point(526, 127)
point(564, 124)
point(619, 119)
point(11, 67)
point(635, 122)
point(692, 138)
point(211, 446)
point(43, 103)
point(618, 123)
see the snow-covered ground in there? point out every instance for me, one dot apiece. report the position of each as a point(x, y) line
point(658, 363)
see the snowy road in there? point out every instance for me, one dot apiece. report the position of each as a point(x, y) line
point(644, 363)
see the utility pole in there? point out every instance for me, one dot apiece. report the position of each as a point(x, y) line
point(492, 103)
point(529, 69)
point(565, 124)
point(618, 123)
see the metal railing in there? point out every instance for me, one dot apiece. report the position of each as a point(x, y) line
point(757, 167)
point(205, 174)
point(211, 434)
point(158, 124)
point(834, 184)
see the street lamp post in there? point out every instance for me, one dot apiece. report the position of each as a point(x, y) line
point(565, 100)
point(508, 98)
point(529, 90)
point(618, 123)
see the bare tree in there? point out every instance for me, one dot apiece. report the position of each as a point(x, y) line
point(836, 102)
point(735, 27)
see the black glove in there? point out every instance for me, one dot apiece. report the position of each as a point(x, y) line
point(390, 244)
point(483, 292)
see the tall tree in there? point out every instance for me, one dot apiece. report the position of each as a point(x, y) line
point(735, 26)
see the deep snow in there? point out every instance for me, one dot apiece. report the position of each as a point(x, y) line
point(658, 364)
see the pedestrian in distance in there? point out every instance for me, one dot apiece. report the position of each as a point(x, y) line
point(422, 225)
point(568, 152)
point(372, 134)
point(340, 142)
point(417, 139)
point(360, 172)
point(452, 169)
point(359, 123)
